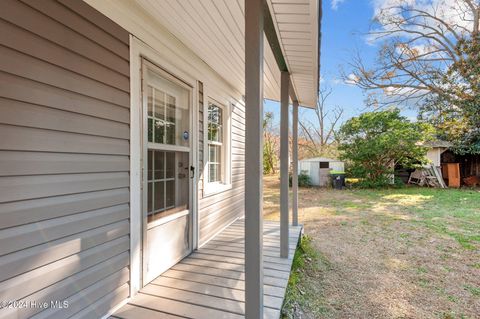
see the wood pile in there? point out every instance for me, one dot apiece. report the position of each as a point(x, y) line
point(428, 176)
point(472, 181)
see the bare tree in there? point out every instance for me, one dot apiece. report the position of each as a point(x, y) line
point(319, 132)
point(270, 145)
point(420, 41)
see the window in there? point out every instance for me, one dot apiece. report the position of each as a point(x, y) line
point(215, 145)
point(217, 148)
point(324, 165)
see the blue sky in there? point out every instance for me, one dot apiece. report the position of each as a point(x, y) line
point(344, 25)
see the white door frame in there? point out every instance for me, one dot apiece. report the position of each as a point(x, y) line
point(139, 50)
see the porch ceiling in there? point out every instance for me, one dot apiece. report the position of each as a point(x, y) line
point(214, 30)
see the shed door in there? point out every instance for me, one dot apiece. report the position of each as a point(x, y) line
point(167, 186)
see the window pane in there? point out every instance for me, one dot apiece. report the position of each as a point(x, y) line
point(214, 133)
point(214, 153)
point(212, 172)
point(215, 118)
point(214, 114)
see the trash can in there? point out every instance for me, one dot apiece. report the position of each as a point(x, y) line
point(338, 180)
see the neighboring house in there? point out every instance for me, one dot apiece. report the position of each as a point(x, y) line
point(319, 168)
point(126, 129)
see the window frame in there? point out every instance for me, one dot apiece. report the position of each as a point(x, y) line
point(225, 103)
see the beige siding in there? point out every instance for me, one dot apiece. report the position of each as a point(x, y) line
point(64, 158)
point(219, 210)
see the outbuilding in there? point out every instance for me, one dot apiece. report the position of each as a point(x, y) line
point(319, 168)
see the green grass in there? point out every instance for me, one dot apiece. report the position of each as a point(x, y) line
point(303, 290)
point(451, 212)
point(473, 290)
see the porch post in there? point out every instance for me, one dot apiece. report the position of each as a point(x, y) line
point(284, 96)
point(253, 159)
point(295, 164)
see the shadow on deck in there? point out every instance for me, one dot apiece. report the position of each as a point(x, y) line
point(210, 283)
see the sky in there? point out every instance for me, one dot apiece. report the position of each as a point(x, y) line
point(344, 27)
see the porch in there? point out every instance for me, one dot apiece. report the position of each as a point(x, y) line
point(210, 283)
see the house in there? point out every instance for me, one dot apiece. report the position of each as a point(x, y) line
point(127, 128)
point(319, 168)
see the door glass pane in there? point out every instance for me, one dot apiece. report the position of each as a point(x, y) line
point(170, 165)
point(149, 201)
point(159, 162)
point(159, 104)
point(168, 183)
point(159, 196)
point(150, 101)
point(170, 194)
point(150, 165)
point(159, 131)
point(150, 129)
point(170, 125)
point(170, 112)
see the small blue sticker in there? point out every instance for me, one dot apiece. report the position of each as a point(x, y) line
point(185, 135)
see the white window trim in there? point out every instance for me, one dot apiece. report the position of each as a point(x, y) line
point(210, 96)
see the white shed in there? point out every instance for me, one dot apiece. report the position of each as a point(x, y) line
point(319, 168)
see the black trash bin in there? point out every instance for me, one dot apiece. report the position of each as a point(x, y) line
point(338, 180)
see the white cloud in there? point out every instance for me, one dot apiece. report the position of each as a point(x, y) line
point(352, 79)
point(336, 3)
point(337, 81)
point(454, 12)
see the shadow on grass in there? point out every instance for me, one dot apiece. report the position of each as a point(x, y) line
point(304, 296)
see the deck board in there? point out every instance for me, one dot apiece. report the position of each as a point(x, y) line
point(210, 283)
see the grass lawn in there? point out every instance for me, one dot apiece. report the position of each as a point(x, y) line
point(402, 253)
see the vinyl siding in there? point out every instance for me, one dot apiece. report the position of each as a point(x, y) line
point(64, 158)
point(219, 210)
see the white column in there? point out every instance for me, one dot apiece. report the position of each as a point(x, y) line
point(253, 159)
point(284, 98)
point(295, 165)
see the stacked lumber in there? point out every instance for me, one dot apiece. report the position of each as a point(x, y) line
point(472, 181)
point(430, 176)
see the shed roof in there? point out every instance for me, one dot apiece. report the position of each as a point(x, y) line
point(320, 159)
point(437, 143)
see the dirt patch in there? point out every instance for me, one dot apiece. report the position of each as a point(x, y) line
point(380, 257)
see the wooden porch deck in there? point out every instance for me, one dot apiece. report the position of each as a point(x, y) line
point(209, 283)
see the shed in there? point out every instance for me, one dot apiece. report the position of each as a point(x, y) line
point(435, 150)
point(318, 168)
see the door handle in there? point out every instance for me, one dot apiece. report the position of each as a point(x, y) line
point(192, 171)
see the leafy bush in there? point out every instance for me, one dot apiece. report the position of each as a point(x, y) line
point(303, 179)
point(365, 183)
point(372, 143)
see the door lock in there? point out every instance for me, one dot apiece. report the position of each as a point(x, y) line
point(192, 171)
